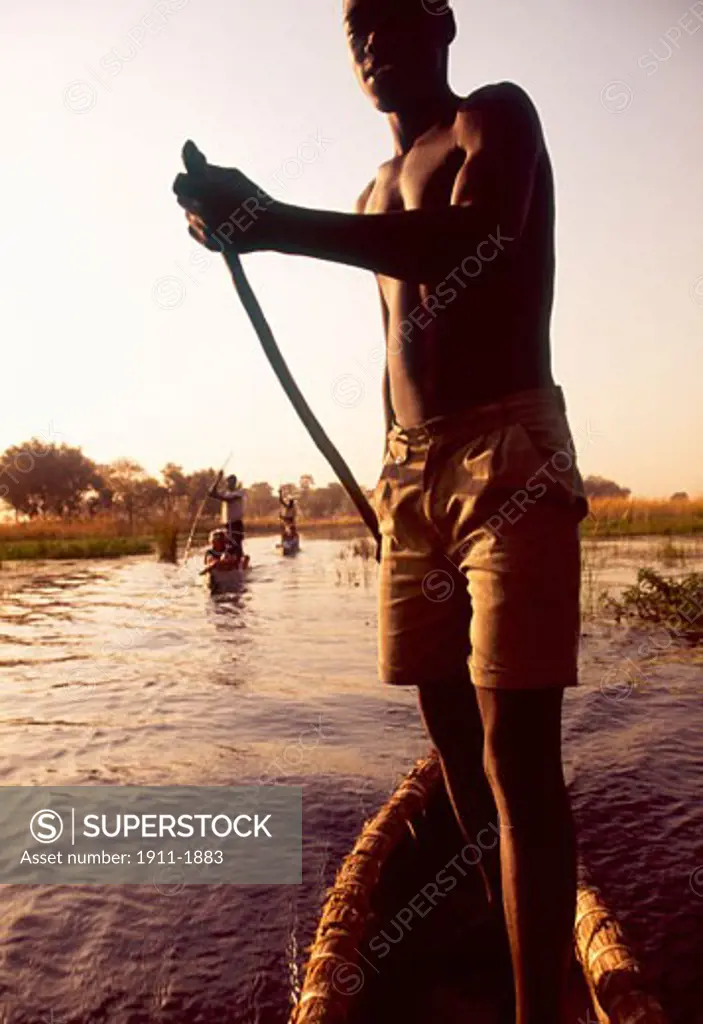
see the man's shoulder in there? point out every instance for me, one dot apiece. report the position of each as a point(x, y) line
point(503, 94)
point(505, 102)
point(360, 205)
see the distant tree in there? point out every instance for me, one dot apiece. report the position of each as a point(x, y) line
point(326, 502)
point(175, 482)
point(261, 500)
point(39, 479)
point(134, 492)
point(599, 487)
point(102, 497)
point(199, 483)
point(150, 496)
point(679, 496)
point(306, 482)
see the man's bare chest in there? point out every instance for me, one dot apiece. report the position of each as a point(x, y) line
point(424, 178)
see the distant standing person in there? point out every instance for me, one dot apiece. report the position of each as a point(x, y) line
point(232, 499)
point(288, 514)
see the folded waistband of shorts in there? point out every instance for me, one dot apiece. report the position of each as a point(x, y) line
point(482, 419)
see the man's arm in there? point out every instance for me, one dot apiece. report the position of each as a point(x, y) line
point(211, 560)
point(501, 137)
point(213, 492)
point(502, 140)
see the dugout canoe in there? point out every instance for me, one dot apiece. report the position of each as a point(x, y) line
point(388, 949)
point(226, 581)
point(288, 545)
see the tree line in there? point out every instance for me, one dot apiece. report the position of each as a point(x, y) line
point(39, 480)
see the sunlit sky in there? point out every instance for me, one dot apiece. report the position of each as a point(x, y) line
point(123, 337)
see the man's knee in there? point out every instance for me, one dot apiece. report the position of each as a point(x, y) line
point(449, 705)
point(452, 719)
point(522, 747)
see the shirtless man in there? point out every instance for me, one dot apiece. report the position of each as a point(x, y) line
point(232, 498)
point(479, 499)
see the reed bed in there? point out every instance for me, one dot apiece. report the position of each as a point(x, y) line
point(86, 547)
point(64, 529)
point(166, 533)
point(108, 536)
point(625, 517)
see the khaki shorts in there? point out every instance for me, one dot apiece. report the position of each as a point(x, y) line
point(480, 563)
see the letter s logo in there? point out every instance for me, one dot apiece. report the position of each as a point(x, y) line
point(46, 826)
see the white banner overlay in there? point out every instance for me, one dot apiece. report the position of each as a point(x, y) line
point(147, 835)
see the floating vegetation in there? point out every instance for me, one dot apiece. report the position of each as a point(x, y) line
point(363, 548)
point(671, 554)
point(676, 604)
point(356, 561)
point(593, 595)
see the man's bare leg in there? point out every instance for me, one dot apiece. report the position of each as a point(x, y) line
point(453, 720)
point(538, 855)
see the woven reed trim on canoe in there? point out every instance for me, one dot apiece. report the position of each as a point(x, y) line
point(586, 914)
point(325, 955)
point(327, 993)
point(614, 947)
point(609, 965)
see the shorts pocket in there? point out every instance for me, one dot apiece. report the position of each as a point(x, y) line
point(381, 496)
point(557, 471)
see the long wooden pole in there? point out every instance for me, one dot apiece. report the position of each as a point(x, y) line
point(201, 507)
point(195, 163)
point(287, 381)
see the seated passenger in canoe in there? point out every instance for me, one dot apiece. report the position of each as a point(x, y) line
point(221, 554)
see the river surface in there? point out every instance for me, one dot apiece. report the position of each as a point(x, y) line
point(129, 672)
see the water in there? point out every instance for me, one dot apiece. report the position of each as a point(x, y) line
point(130, 673)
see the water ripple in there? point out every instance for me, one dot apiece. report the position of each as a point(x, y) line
point(129, 673)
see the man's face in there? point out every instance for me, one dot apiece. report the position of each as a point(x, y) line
point(219, 543)
point(398, 48)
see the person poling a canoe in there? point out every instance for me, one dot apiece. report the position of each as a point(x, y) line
point(232, 498)
point(288, 515)
point(289, 543)
point(479, 499)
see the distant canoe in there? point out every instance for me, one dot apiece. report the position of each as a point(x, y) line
point(223, 581)
point(289, 545)
point(387, 949)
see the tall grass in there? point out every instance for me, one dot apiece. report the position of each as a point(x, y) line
point(618, 517)
point(63, 529)
point(166, 537)
point(363, 548)
point(42, 538)
point(86, 547)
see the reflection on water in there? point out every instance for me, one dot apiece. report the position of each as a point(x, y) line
point(130, 672)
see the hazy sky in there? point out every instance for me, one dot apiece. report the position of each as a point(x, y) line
point(124, 337)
